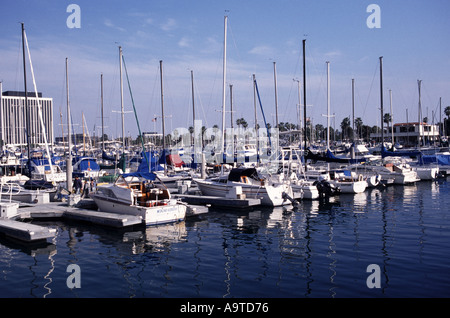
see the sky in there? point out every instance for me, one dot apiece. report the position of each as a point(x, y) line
point(188, 35)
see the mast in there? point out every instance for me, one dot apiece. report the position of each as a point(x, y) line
point(256, 118)
point(103, 125)
point(328, 105)
point(419, 82)
point(121, 99)
point(27, 115)
point(231, 105)
point(224, 84)
point(276, 94)
point(392, 117)
point(440, 118)
point(193, 99)
point(69, 141)
point(84, 141)
point(353, 108)
point(304, 94)
point(162, 113)
point(381, 101)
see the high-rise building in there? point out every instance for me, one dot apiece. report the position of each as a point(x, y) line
point(13, 118)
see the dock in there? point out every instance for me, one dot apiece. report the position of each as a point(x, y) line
point(61, 210)
point(12, 218)
point(25, 231)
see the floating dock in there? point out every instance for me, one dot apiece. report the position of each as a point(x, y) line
point(55, 210)
point(12, 225)
point(25, 231)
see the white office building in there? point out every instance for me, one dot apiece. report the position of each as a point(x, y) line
point(13, 119)
point(411, 134)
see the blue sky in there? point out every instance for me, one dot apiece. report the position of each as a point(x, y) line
point(413, 39)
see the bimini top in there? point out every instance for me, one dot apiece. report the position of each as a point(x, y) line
point(140, 174)
point(237, 173)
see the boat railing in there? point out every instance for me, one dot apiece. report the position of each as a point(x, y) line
point(9, 190)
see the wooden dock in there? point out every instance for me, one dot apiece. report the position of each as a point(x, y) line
point(218, 201)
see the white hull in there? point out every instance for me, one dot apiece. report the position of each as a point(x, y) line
point(55, 177)
point(269, 195)
point(372, 181)
point(350, 186)
point(173, 212)
point(406, 177)
point(426, 173)
point(399, 175)
point(309, 192)
point(26, 196)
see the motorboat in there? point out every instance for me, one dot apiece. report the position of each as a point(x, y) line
point(42, 168)
point(302, 188)
point(372, 178)
point(10, 169)
point(348, 182)
point(139, 194)
point(395, 172)
point(254, 185)
point(32, 191)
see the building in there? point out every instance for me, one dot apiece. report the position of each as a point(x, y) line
point(411, 134)
point(13, 118)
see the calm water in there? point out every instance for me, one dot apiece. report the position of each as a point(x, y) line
point(319, 250)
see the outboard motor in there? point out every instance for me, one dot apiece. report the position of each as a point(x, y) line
point(325, 189)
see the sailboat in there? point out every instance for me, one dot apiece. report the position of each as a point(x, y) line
point(253, 183)
point(33, 190)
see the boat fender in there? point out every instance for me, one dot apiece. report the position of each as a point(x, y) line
point(360, 177)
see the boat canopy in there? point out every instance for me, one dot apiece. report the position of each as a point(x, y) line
point(440, 159)
point(236, 174)
point(88, 163)
point(140, 174)
point(403, 153)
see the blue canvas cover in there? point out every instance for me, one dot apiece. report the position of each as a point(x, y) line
point(440, 159)
point(89, 163)
point(145, 175)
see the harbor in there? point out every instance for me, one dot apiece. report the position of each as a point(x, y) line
point(322, 249)
point(203, 154)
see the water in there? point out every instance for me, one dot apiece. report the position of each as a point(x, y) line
point(317, 251)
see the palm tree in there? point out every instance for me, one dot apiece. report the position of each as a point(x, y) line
point(358, 124)
point(241, 121)
point(345, 126)
point(447, 112)
point(447, 121)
